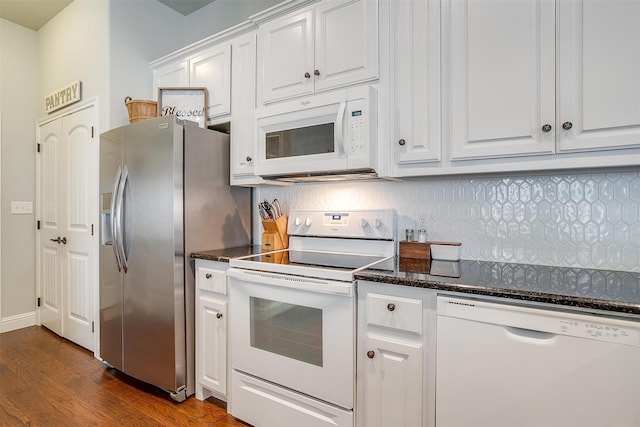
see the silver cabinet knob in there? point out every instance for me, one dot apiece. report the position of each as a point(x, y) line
point(402, 141)
point(546, 128)
point(316, 72)
point(249, 158)
point(391, 306)
point(567, 125)
point(219, 315)
point(307, 75)
point(208, 275)
point(370, 354)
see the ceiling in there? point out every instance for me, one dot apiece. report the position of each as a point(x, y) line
point(34, 14)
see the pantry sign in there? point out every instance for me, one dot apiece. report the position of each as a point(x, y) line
point(62, 97)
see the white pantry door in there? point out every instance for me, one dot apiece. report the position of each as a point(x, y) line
point(67, 206)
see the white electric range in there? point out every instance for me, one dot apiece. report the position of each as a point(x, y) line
point(292, 318)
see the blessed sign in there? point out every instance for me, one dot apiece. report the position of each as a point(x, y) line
point(62, 97)
point(184, 103)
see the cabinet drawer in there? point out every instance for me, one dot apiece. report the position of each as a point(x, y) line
point(212, 280)
point(395, 312)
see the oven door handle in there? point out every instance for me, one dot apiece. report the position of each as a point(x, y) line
point(294, 282)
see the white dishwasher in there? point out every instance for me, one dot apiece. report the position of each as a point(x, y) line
point(504, 365)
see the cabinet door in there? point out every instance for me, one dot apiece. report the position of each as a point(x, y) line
point(346, 43)
point(598, 75)
point(393, 390)
point(501, 89)
point(285, 67)
point(171, 75)
point(243, 130)
point(212, 69)
point(416, 80)
point(212, 344)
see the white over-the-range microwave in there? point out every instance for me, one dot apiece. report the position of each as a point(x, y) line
point(324, 136)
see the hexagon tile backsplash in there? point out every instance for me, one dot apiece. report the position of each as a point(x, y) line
point(586, 220)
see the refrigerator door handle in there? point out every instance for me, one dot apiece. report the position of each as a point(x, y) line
point(112, 218)
point(119, 234)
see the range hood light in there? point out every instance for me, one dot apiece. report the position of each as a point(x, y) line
point(345, 175)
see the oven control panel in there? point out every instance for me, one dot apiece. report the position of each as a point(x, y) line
point(336, 219)
point(361, 224)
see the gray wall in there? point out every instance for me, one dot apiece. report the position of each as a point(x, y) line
point(220, 15)
point(18, 96)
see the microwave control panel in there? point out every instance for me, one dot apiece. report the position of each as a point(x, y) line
point(357, 141)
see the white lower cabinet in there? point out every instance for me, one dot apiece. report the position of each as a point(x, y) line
point(211, 329)
point(395, 356)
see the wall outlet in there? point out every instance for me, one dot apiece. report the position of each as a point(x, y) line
point(421, 220)
point(21, 208)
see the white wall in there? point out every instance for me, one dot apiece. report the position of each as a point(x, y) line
point(18, 96)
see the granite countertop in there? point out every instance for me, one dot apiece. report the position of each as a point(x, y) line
point(224, 255)
point(614, 291)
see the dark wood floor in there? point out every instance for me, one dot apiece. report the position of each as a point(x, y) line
point(48, 381)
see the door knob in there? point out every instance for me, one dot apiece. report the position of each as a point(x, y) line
point(208, 275)
point(248, 158)
point(219, 315)
point(316, 72)
point(370, 354)
point(307, 75)
point(546, 128)
point(402, 141)
point(567, 125)
point(391, 306)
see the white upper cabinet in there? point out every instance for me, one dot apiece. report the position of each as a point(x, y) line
point(415, 77)
point(286, 57)
point(534, 77)
point(212, 69)
point(243, 129)
point(175, 74)
point(333, 44)
point(598, 75)
point(501, 78)
point(209, 68)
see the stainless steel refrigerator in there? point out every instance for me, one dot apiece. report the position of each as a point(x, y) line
point(164, 193)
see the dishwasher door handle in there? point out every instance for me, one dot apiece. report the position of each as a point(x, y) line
point(529, 335)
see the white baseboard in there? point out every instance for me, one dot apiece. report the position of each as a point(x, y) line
point(18, 321)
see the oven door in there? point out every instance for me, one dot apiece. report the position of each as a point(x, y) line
point(295, 332)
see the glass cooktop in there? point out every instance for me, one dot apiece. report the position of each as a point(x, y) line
point(315, 264)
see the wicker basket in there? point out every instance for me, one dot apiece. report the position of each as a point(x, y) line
point(140, 109)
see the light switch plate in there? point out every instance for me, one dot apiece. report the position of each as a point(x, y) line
point(21, 208)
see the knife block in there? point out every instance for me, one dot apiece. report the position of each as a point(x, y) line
point(275, 235)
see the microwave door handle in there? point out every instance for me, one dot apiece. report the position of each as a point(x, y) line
point(338, 130)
